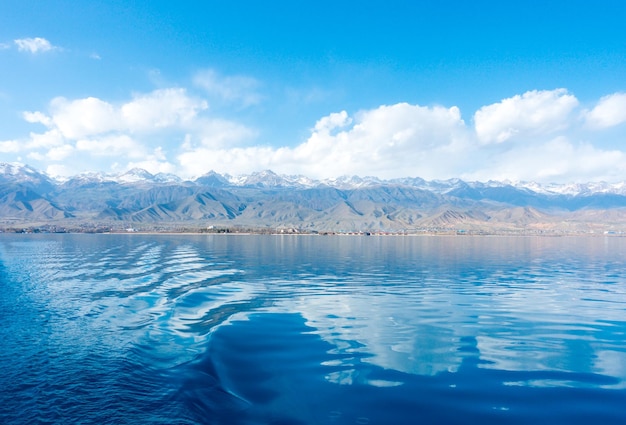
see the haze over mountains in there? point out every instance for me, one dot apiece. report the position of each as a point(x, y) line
point(265, 200)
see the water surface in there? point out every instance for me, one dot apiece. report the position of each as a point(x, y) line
point(221, 329)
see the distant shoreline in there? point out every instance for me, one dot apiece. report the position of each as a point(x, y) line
point(451, 233)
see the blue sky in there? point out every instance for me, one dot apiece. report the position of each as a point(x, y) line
point(437, 89)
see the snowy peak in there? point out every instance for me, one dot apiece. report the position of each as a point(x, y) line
point(86, 179)
point(135, 175)
point(20, 172)
point(24, 174)
point(267, 199)
point(269, 179)
point(576, 189)
point(352, 182)
point(167, 178)
point(266, 178)
point(212, 179)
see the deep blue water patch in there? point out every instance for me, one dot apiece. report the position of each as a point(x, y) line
point(114, 329)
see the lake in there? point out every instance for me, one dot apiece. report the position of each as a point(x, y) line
point(250, 329)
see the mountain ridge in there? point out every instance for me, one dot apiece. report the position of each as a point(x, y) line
point(269, 200)
point(268, 178)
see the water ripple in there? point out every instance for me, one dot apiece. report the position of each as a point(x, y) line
point(164, 329)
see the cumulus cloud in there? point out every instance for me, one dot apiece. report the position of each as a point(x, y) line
point(120, 145)
point(538, 135)
point(557, 160)
point(235, 89)
point(154, 166)
point(48, 139)
point(161, 109)
point(150, 112)
point(217, 133)
point(83, 117)
point(385, 141)
point(200, 160)
point(60, 153)
point(37, 117)
point(59, 170)
point(10, 146)
point(95, 128)
point(33, 45)
point(37, 156)
point(156, 162)
point(332, 121)
point(531, 114)
point(434, 143)
point(403, 134)
point(610, 111)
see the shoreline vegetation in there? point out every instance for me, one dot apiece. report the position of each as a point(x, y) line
point(283, 230)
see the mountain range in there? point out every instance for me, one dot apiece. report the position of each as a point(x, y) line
point(266, 200)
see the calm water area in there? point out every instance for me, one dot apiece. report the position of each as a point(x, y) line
point(250, 329)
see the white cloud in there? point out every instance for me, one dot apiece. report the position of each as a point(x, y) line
point(34, 45)
point(542, 131)
point(386, 141)
point(610, 111)
point(218, 133)
point(161, 109)
point(45, 140)
point(153, 166)
point(113, 146)
point(237, 89)
point(60, 153)
point(48, 139)
point(149, 113)
point(10, 146)
point(332, 122)
point(154, 163)
point(200, 160)
point(37, 118)
point(430, 142)
point(5, 46)
point(532, 114)
point(94, 130)
point(84, 117)
point(57, 170)
point(37, 156)
point(556, 160)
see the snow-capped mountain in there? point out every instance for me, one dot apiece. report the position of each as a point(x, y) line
point(213, 179)
point(269, 179)
point(21, 173)
point(352, 182)
point(84, 179)
point(269, 199)
point(135, 175)
point(26, 176)
point(16, 172)
point(576, 189)
point(167, 178)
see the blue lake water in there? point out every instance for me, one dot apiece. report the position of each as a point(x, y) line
point(178, 329)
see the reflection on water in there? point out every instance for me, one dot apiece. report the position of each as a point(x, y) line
point(285, 329)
